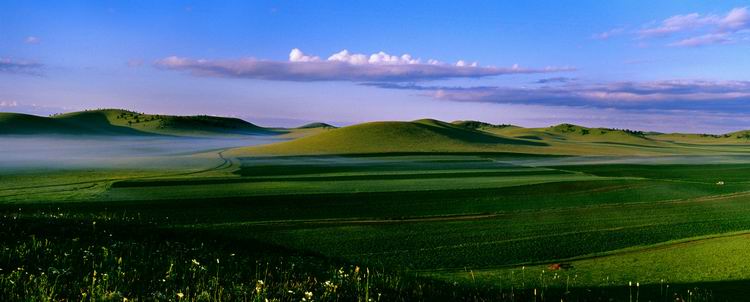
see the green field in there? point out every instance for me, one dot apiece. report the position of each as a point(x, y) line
point(441, 212)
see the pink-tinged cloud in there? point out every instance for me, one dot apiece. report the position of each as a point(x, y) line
point(343, 66)
point(679, 23)
point(21, 67)
point(677, 94)
point(707, 39)
point(700, 29)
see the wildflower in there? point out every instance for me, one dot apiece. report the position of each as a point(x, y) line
point(180, 295)
point(217, 260)
point(196, 263)
point(308, 295)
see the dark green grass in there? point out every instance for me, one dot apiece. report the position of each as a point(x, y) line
point(401, 204)
point(54, 256)
point(165, 183)
point(709, 173)
point(513, 239)
point(299, 165)
point(434, 228)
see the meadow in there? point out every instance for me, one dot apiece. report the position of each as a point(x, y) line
point(197, 219)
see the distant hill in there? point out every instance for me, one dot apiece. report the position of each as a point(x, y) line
point(123, 122)
point(481, 125)
point(575, 133)
point(737, 137)
point(387, 137)
point(316, 125)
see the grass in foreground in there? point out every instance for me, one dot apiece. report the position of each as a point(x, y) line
point(56, 257)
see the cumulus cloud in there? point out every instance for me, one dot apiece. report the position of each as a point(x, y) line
point(8, 65)
point(297, 55)
point(675, 94)
point(343, 66)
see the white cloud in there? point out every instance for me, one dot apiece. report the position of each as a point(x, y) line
point(679, 23)
point(297, 55)
point(31, 40)
point(737, 19)
point(345, 56)
point(8, 104)
point(608, 34)
point(343, 66)
point(708, 39)
point(702, 29)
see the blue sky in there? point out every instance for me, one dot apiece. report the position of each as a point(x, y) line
point(665, 65)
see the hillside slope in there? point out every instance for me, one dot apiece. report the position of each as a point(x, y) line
point(575, 133)
point(18, 123)
point(123, 122)
point(389, 137)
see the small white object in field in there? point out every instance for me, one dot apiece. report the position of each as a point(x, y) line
point(720, 183)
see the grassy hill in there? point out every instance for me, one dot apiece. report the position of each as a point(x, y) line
point(481, 125)
point(570, 132)
point(429, 135)
point(738, 137)
point(316, 125)
point(18, 123)
point(383, 137)
point(123, 122)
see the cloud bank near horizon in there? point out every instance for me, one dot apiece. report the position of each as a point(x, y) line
point(8, 65)
point(709, 96)
point(344, 66)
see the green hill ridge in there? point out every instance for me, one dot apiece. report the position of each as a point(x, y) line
point(124, 122)
point(425, 135)
point(316, 125)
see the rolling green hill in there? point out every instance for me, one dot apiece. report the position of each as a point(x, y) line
point(429, 135)
point(382, 137)
point(123, 122)
point(481, 125)
point(316, 125)
point(18, 123)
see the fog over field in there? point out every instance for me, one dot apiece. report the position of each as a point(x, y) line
point(62, 152)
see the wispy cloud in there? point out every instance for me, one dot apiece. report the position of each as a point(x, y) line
point(344, 66)
point(707, 39)
point(32, 40)
point(609, 34)
point(719, 96)
point(8, 65)
point(678, 23)
point(555, 80)
point(694, 29)
point(8, 104)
